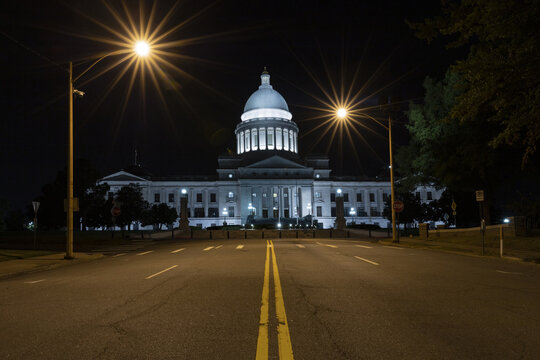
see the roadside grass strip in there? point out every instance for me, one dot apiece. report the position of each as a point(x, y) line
point(208, 248)
point(300, 246)
point(332, 246)
point(284, 338)
point(239, 247)
point(177, 250)
point(161, 272)
point(366, 260)
point(146, 252)
point(364, 246)
point(393, 247)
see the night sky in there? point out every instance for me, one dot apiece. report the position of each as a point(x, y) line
point(185, 136)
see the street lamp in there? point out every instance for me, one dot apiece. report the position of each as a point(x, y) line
point(140, 50)
point(225, 213)
point(352, 213)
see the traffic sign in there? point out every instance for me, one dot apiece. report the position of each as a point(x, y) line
point(115, 211)
point(479, 195)
point(35, 205)
point(398, 206)
point(454, 206)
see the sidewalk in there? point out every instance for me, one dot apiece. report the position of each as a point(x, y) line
point(12, 268)
point(512, 254)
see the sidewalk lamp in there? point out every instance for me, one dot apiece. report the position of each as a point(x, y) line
point(141, 49)
point(352, 213)
point(225, 213)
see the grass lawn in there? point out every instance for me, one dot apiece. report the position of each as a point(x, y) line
point(7, 254)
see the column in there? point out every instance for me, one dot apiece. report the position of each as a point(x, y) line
point(262, 138)
point(285, 139)
point(241, 142)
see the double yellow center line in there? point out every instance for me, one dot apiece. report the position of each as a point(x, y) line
point(284, 337)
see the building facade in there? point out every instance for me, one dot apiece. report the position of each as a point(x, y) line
point(267, 182)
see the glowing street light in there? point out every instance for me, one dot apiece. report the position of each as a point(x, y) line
point(341, 113)
point(72, 92)
point(142, 48)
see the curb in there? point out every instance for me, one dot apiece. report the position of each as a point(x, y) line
point(60, 263)
point(457, 252)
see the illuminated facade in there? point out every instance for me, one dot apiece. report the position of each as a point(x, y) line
point(267, 181)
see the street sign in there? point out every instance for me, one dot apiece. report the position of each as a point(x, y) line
point(398, 206)
point(446, 217)
point(454, 206)
point(479, 195)
point(35, 205)
point(115, 211)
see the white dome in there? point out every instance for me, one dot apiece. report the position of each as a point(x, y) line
point(266, 101)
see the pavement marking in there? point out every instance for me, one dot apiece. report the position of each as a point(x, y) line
point(300, 246)
point(161, 272)
point(393, 247)
point(208, 248)
point(262, 339)
point(144, 253)
point(366, 260)
point(217, 247)
point(239, 247)
point(34, 282)
point(509, 272)
point(117, 255)
point(284, 337)
point(364, 246)
point(177, 250)
point(332, 246)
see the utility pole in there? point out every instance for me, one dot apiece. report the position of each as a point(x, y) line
point(392, 193)
point(69, 234)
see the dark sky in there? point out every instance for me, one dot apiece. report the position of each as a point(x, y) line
point(197, 123)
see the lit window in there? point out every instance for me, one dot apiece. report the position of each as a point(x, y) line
point(317, 194)
point(317, 175)
point(231, 194)
point(275, 195)
point(230, 176)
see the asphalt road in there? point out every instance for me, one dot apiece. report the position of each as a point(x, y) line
point(258, 299)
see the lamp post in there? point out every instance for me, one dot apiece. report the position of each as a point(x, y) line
point(141, 48)
point(225, 213)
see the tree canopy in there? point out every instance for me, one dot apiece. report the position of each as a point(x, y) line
point(500, 75)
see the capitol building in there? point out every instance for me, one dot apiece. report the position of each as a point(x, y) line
point(266, 181)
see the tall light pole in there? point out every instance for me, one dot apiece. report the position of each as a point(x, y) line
point(392, 193)
point(141, 48)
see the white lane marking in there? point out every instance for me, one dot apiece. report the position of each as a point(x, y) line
point(393, 247)
point(177, 250)
point(364, 246)
point(366, 260)
point(509, 272)
point(332, 246)
point(34, 282)
point(208, 248)
point(161, 272)
point(217, 247)
point(144, 253)
point(300, 246)
point(239, 247)
point(117, 255)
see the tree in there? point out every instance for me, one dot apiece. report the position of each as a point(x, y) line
point(412, 211)
point(132, 205)
point(95, 208)
point(501, 76)
point(159, 215)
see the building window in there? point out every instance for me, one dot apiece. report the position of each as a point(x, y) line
point(157, 197)
point(286, 213)
point(199, 212)
point(213, 212)
point(429, 195)
point(359, 197)
point(171, 197)
point(319, 210)
point(279, 139)
point(270, 139)
point(372, 197)
point(265, 213)
point(213, 197)
point(346, 197)
point(317, 194)
point(360, 211)
point(231, 211)
point(417, 194)
point(333, 211)
point(199, 197)
point(231, 195)
point(333, 197)
point(385, 197)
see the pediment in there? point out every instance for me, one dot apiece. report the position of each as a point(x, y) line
point(276, 161)
point(122, 176)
